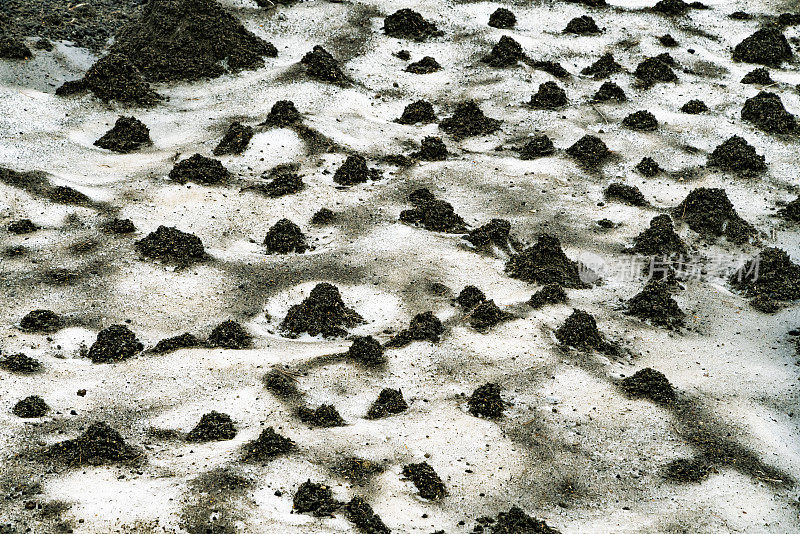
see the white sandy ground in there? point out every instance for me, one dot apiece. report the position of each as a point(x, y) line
point(568, 422)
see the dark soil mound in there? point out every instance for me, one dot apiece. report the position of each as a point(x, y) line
point(316, 499)
point(641, 120)
point(549, 96)
point(114, 344)
point(432, 149)
point(545, 263)
point(649, 384)
point(767, 46)
point(66, 195)
point(659, 239)
point(486, 402)
point(589, 3)
point(213, 426)
point(653, 70)
point(356, 469)
point(694, 107)
point(323, 216)
point(603, 67)
point(769, 278)
point(284, 180)
point(22, 226)
point(610, 91)
point(470, 297)
point(668, 41)
point(788, 19)
point(496, 232)
point(390, 401)
point(281, 383)
point(364, 518)
point(423, 327)
point(580, 331)
point(199, 169)
point(354, 171)
point(486, 315)
point(629, 194)
point(428, 483)
point(589, 151)
point(322, 313)
point(127, 135)
point(171, 245)
point(235, 140)
point(20, 363)
point(405, 55)
point(468, 120)
point(791, 211)
point(419, 112)
point(12, 47)
point(550, 67)
point(230, 335)
point(408, 24)
point(671, 7)
point(432, 214)
point(171, 344)
point(366, 349)
point(268, 445)
point(549, 294)
point(505, 53)
point(324, 416)
point(30, 407)
point(709, 212)
point(583, 25)
point(537, 147)
point(515, 521)
point(737, 155)
point(113, 77)
point(648, 167)
point(285, 237)
point(283, 113)
point(320, 64)
point(758, 76)
point(502, 18)
point(99, 444)
point(41, 321)
point(766, 111)
point(688, 470)
point(426, 65)
point(655, 304)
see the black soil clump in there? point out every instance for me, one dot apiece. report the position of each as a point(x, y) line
point(171, 344)
point(283, 114)
point(469, 297)
point(423, 327)
point(285, 237)
point(41, 321)
point(791, 212)
point(284, 180)
point(655, 69)
point(641, 120)
point(235, 140)
point(549, 96)
point(710, 213)
point(315, 499)
point(583, 25)
point(113, 77)
point(432, 214)
point(127, 135)
point(550, 67)
point(688, 470)
point(22, 226)
point(390, 401)
point(31, 407)
point(354, 171)
point(99, 444)
point(767, 46)
point(628, 194)
point(737, 155)
point(549, 294)
point(545, 263)
point(769, 279)
point(759, 76)
point(361, 514)
point(199, 169)
point(322, 313)
point(419, 112)
point(671, 7)
point(268, 445)
point(648, 167)
point(426, 65)
point(367, 350)
point(694, 107)
point(655, 304)
point(668, 41)
point(428, 483)
point(539, 146)
point(12, 47)
point(603, 67)
point(610, 91)
point(323, 216)
point(502, 18)
point(20, 363)
point(590, 151)
point(468, 120)
point(169, 244)
point(486, 315)
point(408, 24)
point(324, 416)
point(505, 53)
point(281, 383)
point(213, 426)
point(580, 331)
point(496, 232)
point(114, 344)
point(659, 239)
point(431, 149)
point(230, 335)
point(486, 402)
point(321, 65)
point(766, 112)
point(516, 521)
point(649, 384)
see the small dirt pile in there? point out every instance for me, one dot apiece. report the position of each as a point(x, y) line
point(610, 91)
point(423, 327)
point(426, 65)
point(710, 213)
point(11, 46)
point(537, 147)
point(589, 151)
point(127, 135)
point(431, 149)
point(408, 24)
point(505, 53)
point(432, 214)
point(767, 46)
point(230, 335)
point(268, 445)
point(791, 212)
point(549, 294)
point(648, 167)
point(419, 112)
point(758, 76)
point(324, 416)
point(485, 401)
point(118, 226)
point(367, 350)
point(688, 470)
point(694, 107)
point(213, 426)
point(361, 514)
point(486, 315)
point(649, 384)
point(285, 237)
point(284, 180)
point(199, 169)
point(41, 321)
point(549, 96)
point(552, 68)
point(113, 77)
point(323, 216)
point(604, 67)
point(20, 363)
point(641, 120)
point(515, 521)
point(628, 194)
point(668, 41)
point(737, 155)
point(321, 65)
point(283, 114)
point(31, 407)
point(671, 7)
point(655, 69)
point(583, 25)
point(470, 297)
point(171, 344)
point(390, 401)
point(655, 304)
point(580, 331)
point(282, 383)
point(315, 499)
point(322, 313)
point(428, 483)
point(99, 444)
point(502, 18)
point(545, 263)
point(22, 226)
point(659, 239)
point(235, 140)
point(354, 171)
point(496, 232)
point(766, 112)
point(769, 279)
point(468, 120)
point(114, 344)
point(170, 245)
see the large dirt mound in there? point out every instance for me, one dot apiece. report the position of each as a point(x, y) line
point(390, 401)
point(710, 213)
point(361, 514)
point(737, 155)
point(655, 304)
point(322, 313)
point(650, 384)
point(127, 135)
point(545, 263)
point(659, 239)
point(171, 245)
point(516, 521)
point(199, 169)
point(114, 344)
point(268, 445)
point(423, 327)
point(468, 120)
point(580, 331)
point(113, 77)
point(485, 401)
point(767, 46)
point(769, 278)
point(213, 426)
point(432, 214)
point(99, 444)
point(766, 112)
point(409, 24)
point(41, 321)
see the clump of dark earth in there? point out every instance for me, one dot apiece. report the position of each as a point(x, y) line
point(688, 470)
point(580, 331)
point(766, 112)
point(199, 169)
point(788, 19)
point(235, 140)
point(486, 401)
point(629, 194)
point(20, 363)
point(671, 7)
point(127, 135)
point(366, 349)
point(354, 468)
point(41, 321)
point(316, 499)
point(505, 53)
point(740, 15)
point(549, 96)
point(641, 120)
point(322, 313)
point(268, 445)
point(213, 426)
point(545, 263)
point(419, 112)
point(648, 167)
point(426, 65)
point(390, 401)
point(694, 107)
point(431, 149)
point(610, 91)
point(285, 237)
point(502, 18)
point(659, 239)
point(22, 226)
point(324, 416)
point(230, 335)
point(485, 315)
point(354, 171)
point(30, 407)
point(603, 67)
point(408, 24)
point(423, 327)
point(590, 151)
point(320, 64)
point(583, 25)
point(114, 344)
point(655, 304)
point(12, 47)
point(470, 297)
point(549, 294)
point(283, 113)
point(284, 180)
point(428, 483)
point(668, 41)
point(281, 382)
point(323, 216)
point(667, 58)
point(516, 521)
point(737, 155)
point(709, 212)
point(468, 120)
point(649, 384)
point(537, 147)
point(99, 444)
point(67, 195)
point(171, 344)
point(113, 77)
point(791, 211)
point(768, 279)
point(767, 46)
point(433, 214)
point(589, 3)
point(171, 245)
point(653, 70)
point(496, 232)
point(759, 76)
point(550, 67)
point(405, 55)
point(360, 513)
